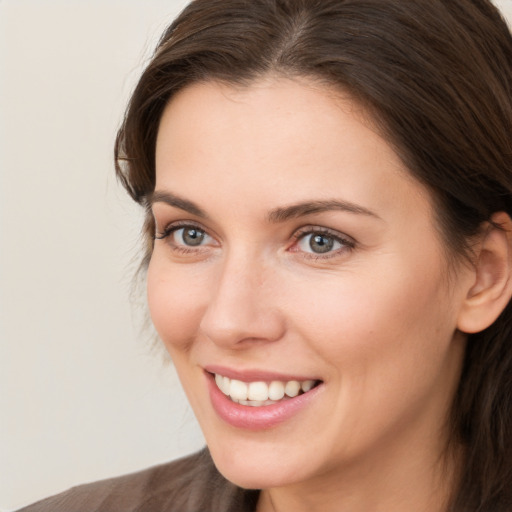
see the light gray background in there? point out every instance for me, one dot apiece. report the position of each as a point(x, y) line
point(82, 396)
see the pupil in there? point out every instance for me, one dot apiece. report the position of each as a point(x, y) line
point(321, 243)
point(193, 236)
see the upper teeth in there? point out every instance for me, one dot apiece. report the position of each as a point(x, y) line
point(261, 391)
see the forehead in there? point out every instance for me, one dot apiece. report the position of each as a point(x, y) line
point(283, 140)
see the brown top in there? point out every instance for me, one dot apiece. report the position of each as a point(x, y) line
point(192, 484)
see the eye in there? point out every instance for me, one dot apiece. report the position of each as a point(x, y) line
point(318, 243)
point(322, 242)
point(188, 236)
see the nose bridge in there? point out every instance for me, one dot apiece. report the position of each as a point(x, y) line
point(241, 306)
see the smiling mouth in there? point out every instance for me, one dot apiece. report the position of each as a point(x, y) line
point(260, 393)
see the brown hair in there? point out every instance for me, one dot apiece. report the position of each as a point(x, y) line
point(436, 75)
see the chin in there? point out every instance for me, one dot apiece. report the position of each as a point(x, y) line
point(251, 477)
point(258, 467)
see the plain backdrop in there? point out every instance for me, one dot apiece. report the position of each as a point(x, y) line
point(82, 394)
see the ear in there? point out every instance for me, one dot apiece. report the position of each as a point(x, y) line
point(491, 286)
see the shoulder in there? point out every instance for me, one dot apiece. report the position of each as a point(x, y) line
point(190, 484)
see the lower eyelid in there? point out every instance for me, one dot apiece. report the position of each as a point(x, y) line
point(169, 231)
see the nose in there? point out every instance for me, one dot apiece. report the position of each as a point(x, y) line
point(243, 308)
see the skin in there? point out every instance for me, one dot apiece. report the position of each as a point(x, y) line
point(375, 318)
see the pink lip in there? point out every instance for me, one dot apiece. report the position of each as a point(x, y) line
point(255, 375)
point(257, 418)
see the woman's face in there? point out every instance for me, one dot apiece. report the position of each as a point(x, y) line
point(294, 251)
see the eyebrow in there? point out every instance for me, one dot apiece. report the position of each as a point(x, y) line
point(312, 207)
point(276, 215)
point(177, 202)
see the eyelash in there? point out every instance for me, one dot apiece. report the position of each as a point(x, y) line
point(346, 243)
point(176, 226)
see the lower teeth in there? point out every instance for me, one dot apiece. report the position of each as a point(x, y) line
point(256, 403)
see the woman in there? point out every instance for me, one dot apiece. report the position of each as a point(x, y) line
point(328, 252)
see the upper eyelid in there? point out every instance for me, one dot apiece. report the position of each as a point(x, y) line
point(182, 224)
point(185, 223)
point(306, 230)
point(295, 235)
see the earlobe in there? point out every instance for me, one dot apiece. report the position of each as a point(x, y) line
point(491, 288)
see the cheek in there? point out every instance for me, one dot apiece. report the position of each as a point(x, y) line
point(387, 344)
point(390, 314)
point(175, 306)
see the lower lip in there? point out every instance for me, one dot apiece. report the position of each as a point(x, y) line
point(257, 418)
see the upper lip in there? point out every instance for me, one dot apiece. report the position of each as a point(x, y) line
point(256, 375)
